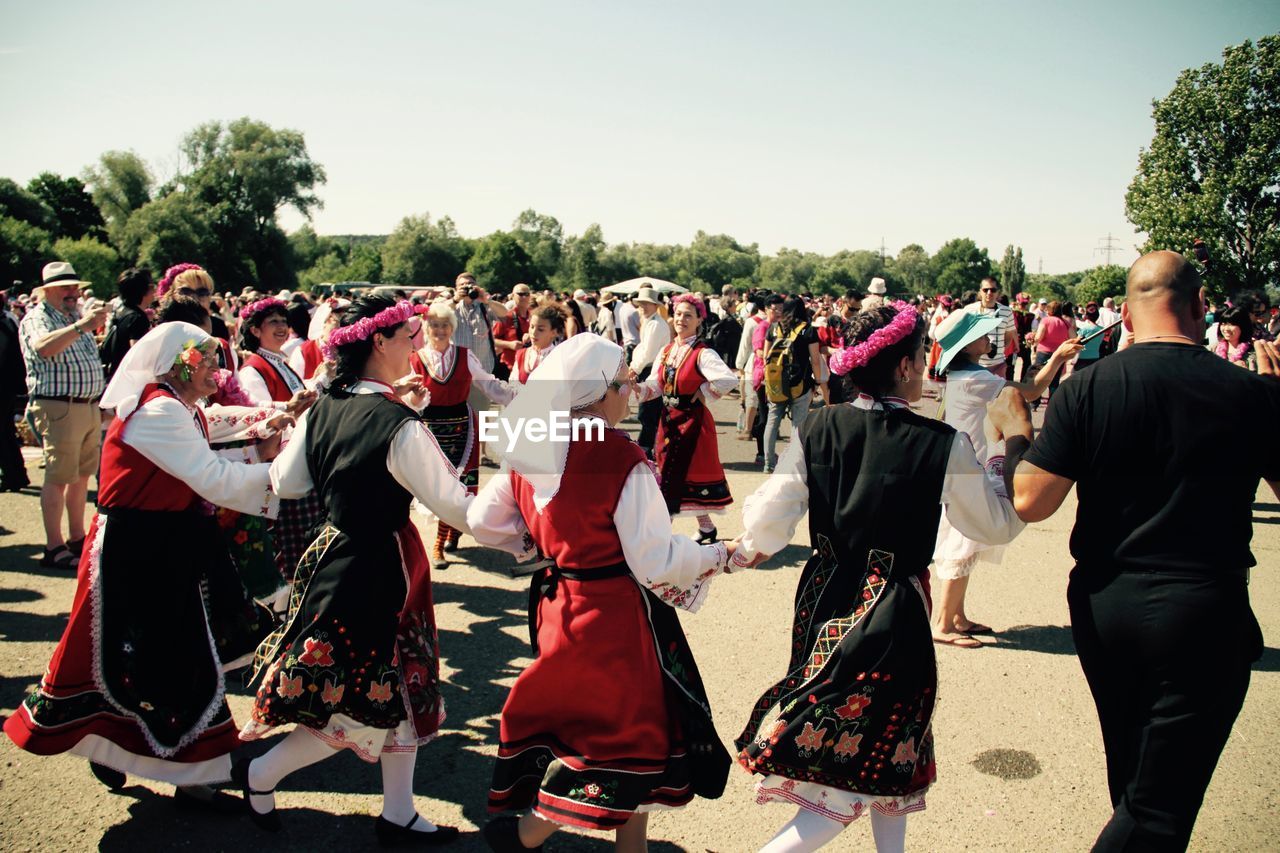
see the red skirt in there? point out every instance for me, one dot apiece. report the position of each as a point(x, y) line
point(701, 486)
point(588, 736)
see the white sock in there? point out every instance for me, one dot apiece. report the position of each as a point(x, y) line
point(397, 790)
point(705, 524)
point(296, 751)
point(805, 832)
point(889, 832)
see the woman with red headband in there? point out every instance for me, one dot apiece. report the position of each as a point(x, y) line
point(687, 375)
point(847, 730)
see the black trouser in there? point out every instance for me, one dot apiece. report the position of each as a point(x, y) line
point(1167, 659)
point(1025, 355)
point(762, 418)
point(648, 413)
point(12, 468)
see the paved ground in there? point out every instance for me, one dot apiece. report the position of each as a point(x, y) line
point(1020, 757)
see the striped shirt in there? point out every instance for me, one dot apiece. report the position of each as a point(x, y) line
point(1001, 336)
point(74, 372)
point(474, 331)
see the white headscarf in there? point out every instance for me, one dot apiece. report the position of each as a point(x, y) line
point(576, 374)
point(148, 360)
point(315, 330)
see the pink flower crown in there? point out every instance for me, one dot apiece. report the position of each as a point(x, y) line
point(364, 328)
point(170, 274)
point(262, 305)
point(902, 325)
point(691, 300)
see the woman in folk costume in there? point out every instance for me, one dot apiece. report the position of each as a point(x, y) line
point(308, 360)
point(610, 721)
point(192, 281)
point(356, 665)
point(267, 379)
point(546, 330)
point(970, 389)
point(846, 730)
point(449, 372)
point(687, 375)
point(136, 682)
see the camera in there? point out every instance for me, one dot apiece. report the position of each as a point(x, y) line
point(473, 293)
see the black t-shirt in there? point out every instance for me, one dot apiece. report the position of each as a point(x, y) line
point(802, 369)
point(128, 325)
point(1167, 443)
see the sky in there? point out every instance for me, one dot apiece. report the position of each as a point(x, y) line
point(816, 126)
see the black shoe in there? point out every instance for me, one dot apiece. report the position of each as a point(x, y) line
point(393, 835)
point(486, 462)
point(76, 546)
point(240, 776)
point(13, 485)
point(451, 544)
point(109, 776)
point(502, 834)
point(708, 537)
point(59, 558)
point(218, 802)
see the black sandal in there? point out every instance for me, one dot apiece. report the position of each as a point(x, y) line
point(393, 835)
point(240, 776)
point(76, 546)
point(708, 537)
point(59, 558)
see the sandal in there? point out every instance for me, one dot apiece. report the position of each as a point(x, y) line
point(59, 558)
point(76, 546)
point(960, 641)
point(976, 628)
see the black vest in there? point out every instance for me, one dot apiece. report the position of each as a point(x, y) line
point(347, 440)
point(875, 482)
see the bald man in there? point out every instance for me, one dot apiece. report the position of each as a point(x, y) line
point(1159, 599)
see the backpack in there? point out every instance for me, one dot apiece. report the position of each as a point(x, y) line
point(724, 335)
point(785, 376)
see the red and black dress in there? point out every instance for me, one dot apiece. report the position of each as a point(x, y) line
point(687, 451)
point(298, 519)
point(611, 718)
point(136, 682)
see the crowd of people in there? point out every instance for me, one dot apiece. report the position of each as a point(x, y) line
point(257, 457)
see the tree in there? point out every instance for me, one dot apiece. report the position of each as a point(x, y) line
point(714, 260)
point(25, 206)
point(1213, 168)
point(95, 262)
point(582, 261)
point(121, 183)
point(912, 270)
point(24, 248)
point(500, 263)
point(845, 270)
point(542, 237)
point(1013, 272)
point(1099, 283)
point(789, 271)
point(420, 252)
point(73, 208)
point(170, 230)
point(960, 265)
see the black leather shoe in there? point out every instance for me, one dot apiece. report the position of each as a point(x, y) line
point(502, 834)
point(708, 537)
point(240, 776)
point(393, 835)
point(109, 776)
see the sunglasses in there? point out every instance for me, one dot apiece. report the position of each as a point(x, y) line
point(618, 386)
point(990, 290)
point(201, 292)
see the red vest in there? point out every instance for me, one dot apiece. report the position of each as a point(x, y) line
point(576, 529)
point(276, 385)
point(689, 376)
point(312, 358)
point(448, 390)
point(129, 480)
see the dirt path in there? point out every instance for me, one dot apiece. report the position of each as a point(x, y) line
point(1020, 757)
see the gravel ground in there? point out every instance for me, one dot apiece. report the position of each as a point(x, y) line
point(1020, 756)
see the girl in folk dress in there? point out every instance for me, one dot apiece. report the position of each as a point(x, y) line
point(136, 685)
point(449, 372)
point(686, 376)
point(847, 729)
point(610, 721)
point(546, 330)
point(356, 666)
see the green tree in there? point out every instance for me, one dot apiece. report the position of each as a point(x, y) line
point(500, 263)
point(960, 265)
point(422, 252)
point(1099, 283)
point(169, 230)
point(911, 268)
point(789, 271)
point(542, 238)
point(121, 183)
point(24, 248)
point(848, 270)
point(94, 260)
point(1013, 272)
point(1213, 167)
point(76, 214)
point(25, 206)
point(714, 260)
point(582, 263)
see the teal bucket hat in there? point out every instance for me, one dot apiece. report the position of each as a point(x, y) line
point(961, 329)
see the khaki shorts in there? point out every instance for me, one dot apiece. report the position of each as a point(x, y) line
point(72, 435)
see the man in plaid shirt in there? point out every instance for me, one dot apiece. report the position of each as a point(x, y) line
point(64, 382)
point(1005, 336)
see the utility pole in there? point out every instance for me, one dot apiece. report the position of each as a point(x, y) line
point(1109, 246)
point(1040, 267)
point(882, 252)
